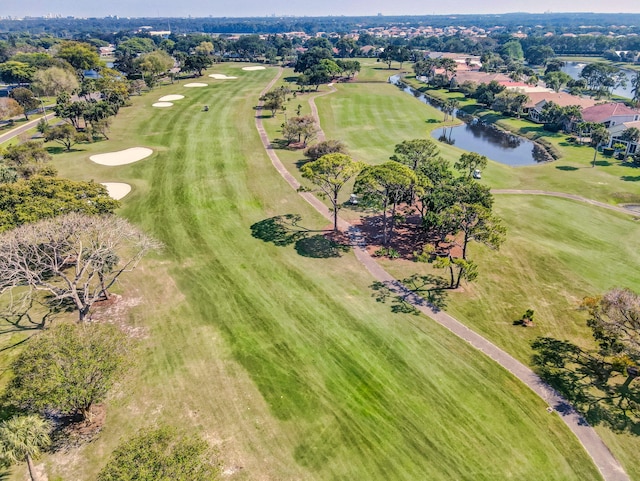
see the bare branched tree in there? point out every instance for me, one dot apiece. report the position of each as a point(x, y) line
point(74, 258)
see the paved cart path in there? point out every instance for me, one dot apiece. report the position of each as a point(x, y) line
point(605, 461)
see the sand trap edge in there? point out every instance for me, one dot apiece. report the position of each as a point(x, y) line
point(170, 98)
point(117, 190)
point(122, 157)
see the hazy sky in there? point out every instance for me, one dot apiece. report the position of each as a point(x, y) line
point(245, 8)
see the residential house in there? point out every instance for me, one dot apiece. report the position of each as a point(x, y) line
point(616, 131)
point(610, 114)
point(537, 101)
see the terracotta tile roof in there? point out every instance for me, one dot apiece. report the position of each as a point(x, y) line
point(562, 99)
point(479, 77)
point(600, 113)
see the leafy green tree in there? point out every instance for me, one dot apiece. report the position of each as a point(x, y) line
point(81, 56)
point(73, 258)
point(329, 174)
point(25, 99)
point(302, 129)
point(16, 72)
point(512, 50)
point(415, 153)
point(601, 77)
point(635, 88)
point(23, 438)
point(54, 80)
point(389, 54)
point(539, 54)
point(67, 369)
point(155, 63)
point(205, 48)
point(198, 63)
point(346, 46)
point(385, 186)
point(478, 224)
point(9, 108)
point(556, 80)
point(27, 158)
point(470, 161)
point(311, 58)
point(325, 147)
point(274, 100)
point(486, 93)
point(64, 134)
point(350, 67)
point(510, 102)
point(41, 197)
point(135, 46)
point(599, 136)
point(632, 134)
point(161, 455)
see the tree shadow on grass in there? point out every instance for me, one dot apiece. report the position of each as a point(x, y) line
point(566, 168)
point(283, 230)
point(55, 150)
point(416, 290)
point(603, 163)
point(319, 247)
point(630, 178)
point(602, 391)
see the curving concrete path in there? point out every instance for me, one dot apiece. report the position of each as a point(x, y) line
point(579, 198)
point(608, 465)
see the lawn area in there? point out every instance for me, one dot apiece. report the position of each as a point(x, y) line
point(557, 251)
point(611, 181)
point(282, 359)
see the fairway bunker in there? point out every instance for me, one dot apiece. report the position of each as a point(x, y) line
point(257, 67)
point(196, 85)
point(162, 105)
point(170, 98)
point(117, 190)
point(122, 157)
point(219, 76)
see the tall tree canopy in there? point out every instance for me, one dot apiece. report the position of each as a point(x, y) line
point(67, 369)
point(74, 258)
point(329, 174)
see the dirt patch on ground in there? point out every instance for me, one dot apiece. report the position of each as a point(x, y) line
point(69, 433)
point(408, 237)
point(115, 310)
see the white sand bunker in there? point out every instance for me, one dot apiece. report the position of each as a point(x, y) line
point(196, 84)
point(253, 68)
point(171, 98)
point(219, 76)
point(162, 104)
point(122, 157)
point(117, 190)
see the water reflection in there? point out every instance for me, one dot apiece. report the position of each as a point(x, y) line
point(477, 136)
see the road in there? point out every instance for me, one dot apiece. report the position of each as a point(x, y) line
point(23, 128)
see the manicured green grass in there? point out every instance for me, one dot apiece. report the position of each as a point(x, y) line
point(557, 251)
point(284, 361)
point(371, 119)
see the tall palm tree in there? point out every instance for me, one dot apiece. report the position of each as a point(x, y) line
point(22, 438)
point(635, 88)
point(599, 136)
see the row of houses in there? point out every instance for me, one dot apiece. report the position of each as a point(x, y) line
point(615, 116)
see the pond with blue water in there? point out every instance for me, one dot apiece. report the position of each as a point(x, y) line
point(485, 139)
